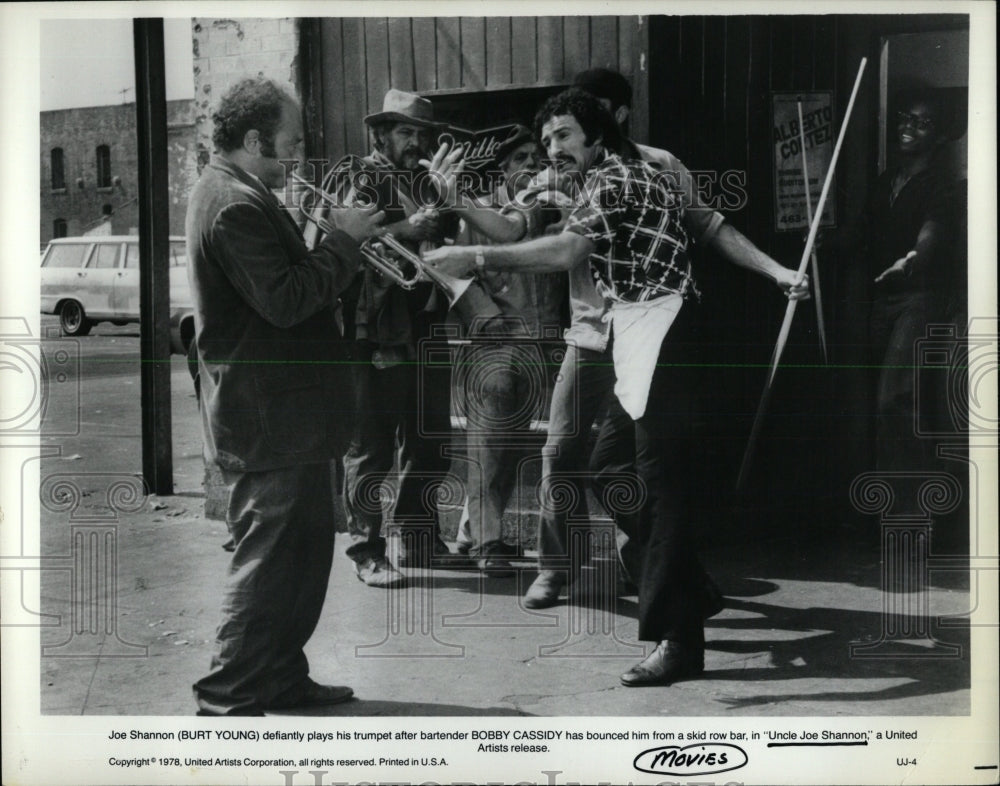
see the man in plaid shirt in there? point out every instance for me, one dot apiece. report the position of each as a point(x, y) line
point(624, 246)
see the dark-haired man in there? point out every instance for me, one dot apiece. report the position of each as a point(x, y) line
point(265, 339)
point(627, 235)
point(613, 456)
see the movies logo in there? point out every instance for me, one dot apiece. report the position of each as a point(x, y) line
point(707, 759)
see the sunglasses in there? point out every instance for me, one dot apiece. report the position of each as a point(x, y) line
point(920, 123)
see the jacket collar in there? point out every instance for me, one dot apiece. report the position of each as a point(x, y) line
point(224, 165)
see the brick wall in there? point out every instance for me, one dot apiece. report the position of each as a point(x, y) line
point(78, 132)
point(227, 50)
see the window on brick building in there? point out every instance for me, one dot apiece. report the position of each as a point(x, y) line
point(103, 166)
point(59, 227)
point(58, 169)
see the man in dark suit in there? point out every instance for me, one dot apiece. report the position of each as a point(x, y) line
point(266, 336)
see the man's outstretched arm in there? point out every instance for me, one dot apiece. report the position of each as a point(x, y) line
point(548, 254)
point(737, 248)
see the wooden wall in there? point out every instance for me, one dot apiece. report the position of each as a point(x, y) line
point(711, 80)
point(352, 62)
point(702, 90)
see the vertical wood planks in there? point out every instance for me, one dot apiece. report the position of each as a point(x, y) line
point(603, 42)
point(355, 105)
point(377, 50)
point(498, 51)
point(626, 46)
point(424, 53)
point(713, 94)
point(473, 32)
point(782, 55)
point(331, 84)
point(401, 61)
point(524, 50)
point(449, 53)
point(576, 55)
point(639, 123)
point(550, 49)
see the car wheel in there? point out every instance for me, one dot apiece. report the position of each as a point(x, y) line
point(72, 320)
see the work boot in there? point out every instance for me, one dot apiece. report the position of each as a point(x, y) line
point(544, 590)
point(379, 572)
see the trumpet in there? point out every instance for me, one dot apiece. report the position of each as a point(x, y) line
point(383, 255)
point(323, 197)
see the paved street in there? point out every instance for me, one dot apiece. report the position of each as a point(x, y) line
point(452, 643)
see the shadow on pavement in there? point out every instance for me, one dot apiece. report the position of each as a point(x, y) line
point(827, 654)
point(360, 707)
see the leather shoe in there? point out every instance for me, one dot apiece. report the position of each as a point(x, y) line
point(313, 695)
point(544, 590)
point(493, 559)
point(416, 554)
point(496, 567)
point(379, 572)
point(670, 662)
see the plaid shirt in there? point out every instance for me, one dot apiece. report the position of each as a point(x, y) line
point(634, 219)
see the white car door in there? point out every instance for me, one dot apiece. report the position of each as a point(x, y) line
point(100, 280)
point(63, 274)
point(127, 283)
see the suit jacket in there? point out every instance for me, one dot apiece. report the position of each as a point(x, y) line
point(266, 336)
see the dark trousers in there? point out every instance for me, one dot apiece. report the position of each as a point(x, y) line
point(282, 525)
point(671, 578)
point(898, 321)
point(404, 410)
point(652, 506)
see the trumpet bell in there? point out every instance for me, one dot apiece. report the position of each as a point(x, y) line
point(386, 255)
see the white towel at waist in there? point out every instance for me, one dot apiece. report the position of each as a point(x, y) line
point(639, 329)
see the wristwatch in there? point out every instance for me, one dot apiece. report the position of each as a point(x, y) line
point(480, 258)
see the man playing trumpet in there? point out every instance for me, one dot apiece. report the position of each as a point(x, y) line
point(267, 352)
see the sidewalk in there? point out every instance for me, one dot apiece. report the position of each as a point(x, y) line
point(454, 643)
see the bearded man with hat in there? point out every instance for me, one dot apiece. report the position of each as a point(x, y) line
point(398, 404)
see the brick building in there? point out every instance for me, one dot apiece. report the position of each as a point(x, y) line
point(89, 175)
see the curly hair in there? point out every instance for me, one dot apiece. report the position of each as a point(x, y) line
point(250, 104)
point(593, 118)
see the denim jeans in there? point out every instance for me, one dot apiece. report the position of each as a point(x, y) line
point(581, 393)
point(504, 382)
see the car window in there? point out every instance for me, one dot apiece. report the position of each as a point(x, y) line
point(65, 255)
point(106, 256)
point(178, 255)
point(132, 256)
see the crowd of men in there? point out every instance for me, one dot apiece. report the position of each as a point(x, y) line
point(308, 355)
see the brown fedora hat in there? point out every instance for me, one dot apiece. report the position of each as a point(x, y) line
point(402, 107)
